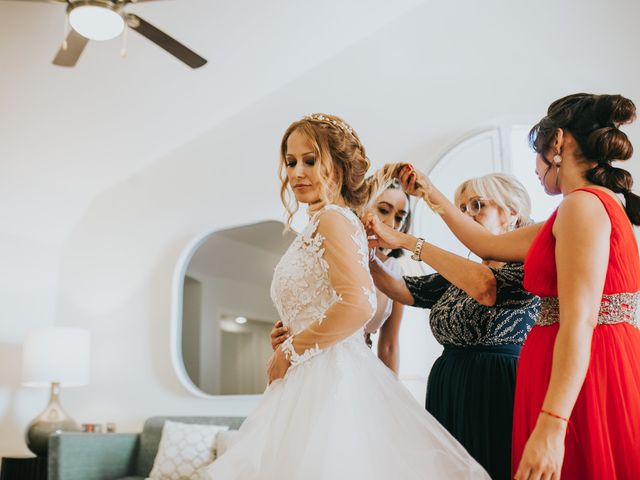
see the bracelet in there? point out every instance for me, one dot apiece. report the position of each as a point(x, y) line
point(417, 250)
point(554, 415)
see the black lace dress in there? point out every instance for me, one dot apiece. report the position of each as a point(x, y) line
point(471, 385)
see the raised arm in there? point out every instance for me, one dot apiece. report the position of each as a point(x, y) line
point(508, 247)
point(344, 258)
point(476, 279)
point(582, 230)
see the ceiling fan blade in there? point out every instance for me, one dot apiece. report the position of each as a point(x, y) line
point(163, 40)
point(75, 46)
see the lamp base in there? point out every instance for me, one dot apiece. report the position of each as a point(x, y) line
point(53, 420)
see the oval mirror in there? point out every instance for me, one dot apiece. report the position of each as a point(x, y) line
point(223, 311)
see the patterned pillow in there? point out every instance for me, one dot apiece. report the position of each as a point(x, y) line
point(184, 449)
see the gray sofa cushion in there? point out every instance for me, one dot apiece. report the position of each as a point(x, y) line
point(152, 431)
point(91, 456)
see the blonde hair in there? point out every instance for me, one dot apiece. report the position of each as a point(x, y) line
point(383, 178)
point(505, 190)
point(341, 161)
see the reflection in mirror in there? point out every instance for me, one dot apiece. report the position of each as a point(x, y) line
point(227, 312)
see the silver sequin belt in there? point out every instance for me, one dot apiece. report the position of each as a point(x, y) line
point(614, 308)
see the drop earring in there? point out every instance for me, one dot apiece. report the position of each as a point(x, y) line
point(557, 160)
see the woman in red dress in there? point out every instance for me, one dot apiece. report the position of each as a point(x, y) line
point(577, 402)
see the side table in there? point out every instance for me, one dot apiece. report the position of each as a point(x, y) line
point(23, 468)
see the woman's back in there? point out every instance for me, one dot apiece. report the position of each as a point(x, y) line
point(623, 272)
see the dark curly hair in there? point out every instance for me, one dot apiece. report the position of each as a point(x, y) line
point(594, 121)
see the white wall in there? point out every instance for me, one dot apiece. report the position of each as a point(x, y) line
point(29, 281)
point(410, 90)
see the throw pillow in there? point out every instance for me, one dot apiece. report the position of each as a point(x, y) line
point(184, 449)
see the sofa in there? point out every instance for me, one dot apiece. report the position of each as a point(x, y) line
point(115, 456)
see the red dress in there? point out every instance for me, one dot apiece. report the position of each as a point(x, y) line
point(603, 436)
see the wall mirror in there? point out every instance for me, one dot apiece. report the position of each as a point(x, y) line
point(223, 311)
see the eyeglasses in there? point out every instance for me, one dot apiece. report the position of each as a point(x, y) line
point(473, 206)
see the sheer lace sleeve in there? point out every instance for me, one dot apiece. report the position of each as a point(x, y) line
point(344, 258)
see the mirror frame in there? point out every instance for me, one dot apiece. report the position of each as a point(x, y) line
point(177, 302)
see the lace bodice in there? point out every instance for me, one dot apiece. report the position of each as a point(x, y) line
point(321, 287)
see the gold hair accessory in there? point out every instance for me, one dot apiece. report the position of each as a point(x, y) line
point(318, 117)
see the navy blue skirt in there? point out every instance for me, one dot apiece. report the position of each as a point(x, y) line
point(470, 392)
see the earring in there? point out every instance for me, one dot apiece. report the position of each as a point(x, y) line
point(557, 160)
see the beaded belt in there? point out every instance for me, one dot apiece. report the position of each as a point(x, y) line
point(614, 308)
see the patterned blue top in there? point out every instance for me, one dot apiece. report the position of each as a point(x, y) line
point(457, 319)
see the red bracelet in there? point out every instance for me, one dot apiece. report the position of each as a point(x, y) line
point(554, 415)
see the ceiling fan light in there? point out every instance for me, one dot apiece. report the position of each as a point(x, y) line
point(95, 22)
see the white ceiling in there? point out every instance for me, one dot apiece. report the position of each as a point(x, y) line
point(411, 75)
point(68, 134)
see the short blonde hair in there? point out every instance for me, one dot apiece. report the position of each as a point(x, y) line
point(505, 190)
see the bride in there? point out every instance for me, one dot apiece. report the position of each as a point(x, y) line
point(332, 410)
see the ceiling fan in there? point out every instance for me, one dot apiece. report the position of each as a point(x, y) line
point(106, 19)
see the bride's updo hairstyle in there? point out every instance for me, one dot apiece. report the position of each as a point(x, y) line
point(342, 165)
point(594, 121)
point(340, 158)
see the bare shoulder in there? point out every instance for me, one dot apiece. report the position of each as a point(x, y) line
point(580, 211)
point(581, 201)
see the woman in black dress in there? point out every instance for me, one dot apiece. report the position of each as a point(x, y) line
point(480, 313)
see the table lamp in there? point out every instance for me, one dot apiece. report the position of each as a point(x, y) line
point(55, 357)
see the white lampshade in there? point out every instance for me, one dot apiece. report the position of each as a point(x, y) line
point(56, 354)
point(95, 22)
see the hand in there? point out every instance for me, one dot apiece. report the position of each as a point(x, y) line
point(279, 333)
point(408, 177)
point(384, 235)
point(277, 366)
point(544, 452)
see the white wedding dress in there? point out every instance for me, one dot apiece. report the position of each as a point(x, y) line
point(339, 412)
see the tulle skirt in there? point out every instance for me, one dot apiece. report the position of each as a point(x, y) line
point(603, 436)
point(342, 414)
